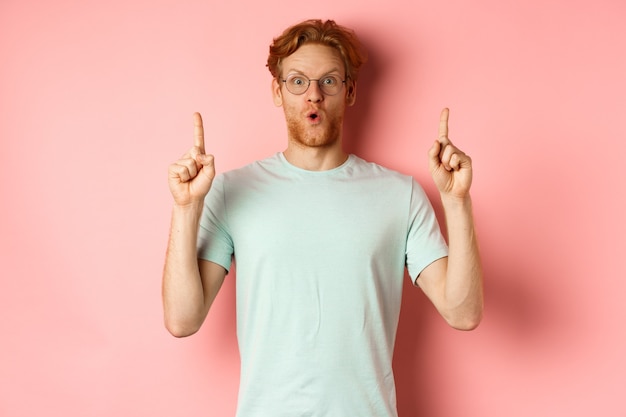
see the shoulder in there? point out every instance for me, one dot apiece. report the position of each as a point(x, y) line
point(387, 180)
point(375, 171)
point(250, 171)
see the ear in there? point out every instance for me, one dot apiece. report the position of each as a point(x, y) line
point(277, 93)
point(351, 94)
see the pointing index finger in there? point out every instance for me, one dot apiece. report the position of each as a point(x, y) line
point(443, 125)
point(198, 132)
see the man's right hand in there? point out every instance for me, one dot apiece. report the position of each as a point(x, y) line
point(190, 177)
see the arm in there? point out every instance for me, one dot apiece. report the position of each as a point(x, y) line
point(455, 284)
point(189, 284)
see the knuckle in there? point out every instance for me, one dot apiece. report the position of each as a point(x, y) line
point(175, 168)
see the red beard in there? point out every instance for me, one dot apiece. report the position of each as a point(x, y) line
point(325, 134)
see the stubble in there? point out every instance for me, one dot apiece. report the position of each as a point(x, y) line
point(314, 136)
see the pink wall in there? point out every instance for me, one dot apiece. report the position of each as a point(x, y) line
point(96, 100)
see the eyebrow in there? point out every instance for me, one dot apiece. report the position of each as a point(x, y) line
point(296, 71)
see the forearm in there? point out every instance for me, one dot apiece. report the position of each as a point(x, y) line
point(464, 282)
point(183, 293)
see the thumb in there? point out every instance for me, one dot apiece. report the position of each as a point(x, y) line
point(204, 159)
point(208, 164)
point(201, 184)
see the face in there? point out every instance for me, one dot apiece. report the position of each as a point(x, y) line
point(314, 119)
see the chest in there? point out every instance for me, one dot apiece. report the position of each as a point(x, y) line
point(333, 221)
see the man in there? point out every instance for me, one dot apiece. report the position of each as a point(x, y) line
point(321, 239)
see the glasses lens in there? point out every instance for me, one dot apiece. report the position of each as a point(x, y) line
point(297, 84)
point(330, 85)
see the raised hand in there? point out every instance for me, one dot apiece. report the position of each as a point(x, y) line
point(450, 167)
point(190, 177)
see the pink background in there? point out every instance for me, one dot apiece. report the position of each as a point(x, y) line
point(96, 100)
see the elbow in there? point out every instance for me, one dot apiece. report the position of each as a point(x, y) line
point(180, 332)
point(179, 329)
point(466, 315)
point(466, 321)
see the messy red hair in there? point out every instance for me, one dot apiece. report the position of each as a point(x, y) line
point(326, 33)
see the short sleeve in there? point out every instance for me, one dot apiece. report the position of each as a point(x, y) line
point(425, 243)
point(215, 243)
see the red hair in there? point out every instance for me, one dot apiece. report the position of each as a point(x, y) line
point(316, 31)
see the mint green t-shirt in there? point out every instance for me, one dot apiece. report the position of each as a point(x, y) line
point(320, 261)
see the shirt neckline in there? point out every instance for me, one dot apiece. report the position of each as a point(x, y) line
point(331, 171)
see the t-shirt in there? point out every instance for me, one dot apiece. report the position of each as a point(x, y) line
point(320, 259)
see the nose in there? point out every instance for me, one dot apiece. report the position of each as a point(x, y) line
point(314, 93)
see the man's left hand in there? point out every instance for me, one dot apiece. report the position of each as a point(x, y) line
point(450, 167)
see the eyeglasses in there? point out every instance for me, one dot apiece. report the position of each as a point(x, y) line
point(298, 84)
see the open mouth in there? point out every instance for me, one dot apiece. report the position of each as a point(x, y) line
point(313, 116)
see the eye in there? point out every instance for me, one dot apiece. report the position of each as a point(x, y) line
point(297, 81)
point(329, 81)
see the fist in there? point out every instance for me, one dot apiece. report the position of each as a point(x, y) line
point(190, 177)
point(450, 167)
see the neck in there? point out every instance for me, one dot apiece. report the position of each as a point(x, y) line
point(315, 158)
